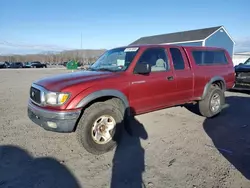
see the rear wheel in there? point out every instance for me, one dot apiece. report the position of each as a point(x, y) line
point(212, 104)
point(100, 128)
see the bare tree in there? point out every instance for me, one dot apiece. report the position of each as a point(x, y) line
point(83, 56)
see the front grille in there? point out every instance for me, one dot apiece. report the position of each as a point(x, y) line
point(35, 95)
point(243, 74)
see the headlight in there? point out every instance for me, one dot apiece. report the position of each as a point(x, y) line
point(53, 98)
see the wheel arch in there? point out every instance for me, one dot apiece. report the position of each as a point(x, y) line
point(107, 93)
point(217, 80)
point(101, 95)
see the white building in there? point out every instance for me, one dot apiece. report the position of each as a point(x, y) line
point(240, 57)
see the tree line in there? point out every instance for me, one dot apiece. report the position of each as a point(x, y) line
point(82, 56)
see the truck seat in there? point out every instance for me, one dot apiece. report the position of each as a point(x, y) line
point(159, 66)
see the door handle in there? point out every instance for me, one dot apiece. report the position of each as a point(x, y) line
point(170, 78)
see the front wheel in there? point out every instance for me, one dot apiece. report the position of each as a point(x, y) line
point(212, 104)
point(100, 128)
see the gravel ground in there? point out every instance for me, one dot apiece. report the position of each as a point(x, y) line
point(172, 148)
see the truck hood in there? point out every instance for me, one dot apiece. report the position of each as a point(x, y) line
point(63, 81)
point(242, 68)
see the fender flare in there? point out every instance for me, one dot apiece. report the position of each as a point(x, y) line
point(102, 93)
point(212, 80)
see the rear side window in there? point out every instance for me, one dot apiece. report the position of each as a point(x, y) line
point(177, 59)
point(207, 57)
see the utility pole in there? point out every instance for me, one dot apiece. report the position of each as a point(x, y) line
point(81, 40)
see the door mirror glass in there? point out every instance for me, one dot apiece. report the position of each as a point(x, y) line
point(142, 68)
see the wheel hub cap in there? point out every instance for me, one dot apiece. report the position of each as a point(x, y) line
point(215, 102)
point(102, 129)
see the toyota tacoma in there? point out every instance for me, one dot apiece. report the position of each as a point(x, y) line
point(128, 81)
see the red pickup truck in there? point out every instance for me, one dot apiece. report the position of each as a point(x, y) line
point(127, 81)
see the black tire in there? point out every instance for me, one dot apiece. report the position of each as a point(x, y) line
point(84, 128)
point(116, 103)
point(205, 104)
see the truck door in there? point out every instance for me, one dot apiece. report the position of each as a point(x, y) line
point(149, 92)
point(182, 74)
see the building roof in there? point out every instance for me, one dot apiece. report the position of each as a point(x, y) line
point(192, 35)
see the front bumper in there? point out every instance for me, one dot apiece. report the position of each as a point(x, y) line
point(57, 121)
point(241, 84)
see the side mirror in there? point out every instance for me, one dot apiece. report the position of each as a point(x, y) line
point(142, 68)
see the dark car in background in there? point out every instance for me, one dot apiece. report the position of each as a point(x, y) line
point(7, 64)
point(242, 74)
point(37, 64)
point(65, 63)
point(16, 65)
point(2, 65)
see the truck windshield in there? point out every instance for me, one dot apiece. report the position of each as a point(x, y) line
point(115, 60)
point(247, 62)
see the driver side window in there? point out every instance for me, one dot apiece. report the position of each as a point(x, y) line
point(156, 58)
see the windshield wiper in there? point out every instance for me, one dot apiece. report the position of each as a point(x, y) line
point(105, 69)
point(91, 69)
point(102, 69)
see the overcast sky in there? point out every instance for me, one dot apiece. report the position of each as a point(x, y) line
point(30, 26)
